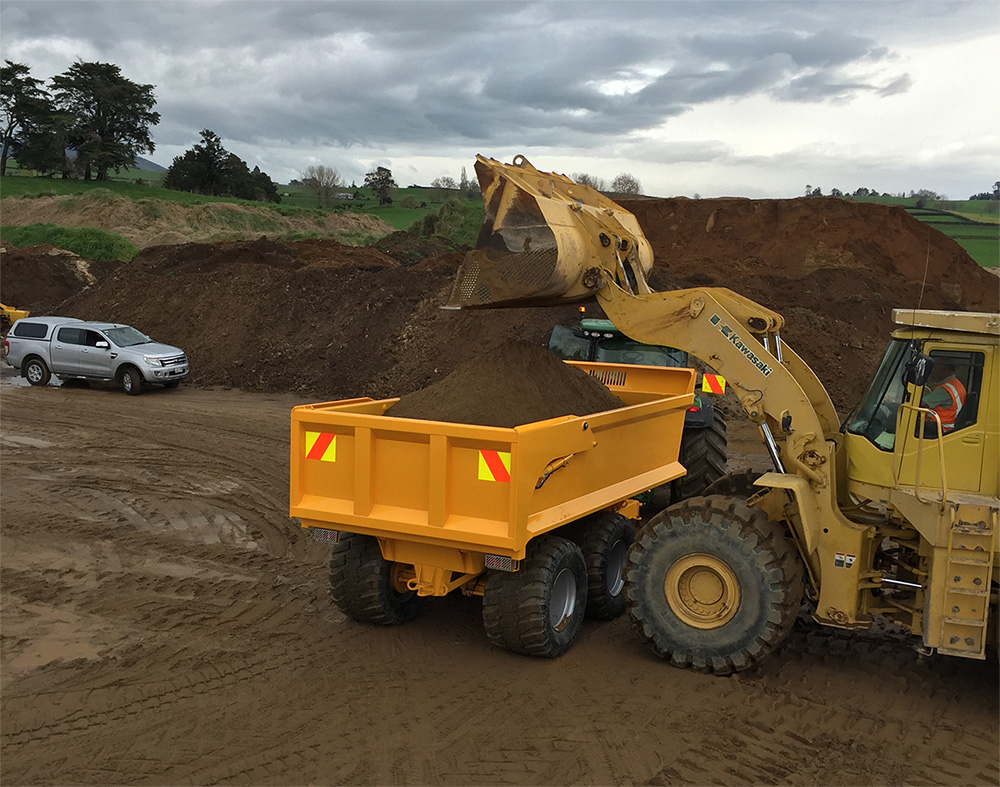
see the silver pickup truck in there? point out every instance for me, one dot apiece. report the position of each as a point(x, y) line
point(73, 349)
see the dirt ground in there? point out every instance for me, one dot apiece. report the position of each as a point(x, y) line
point(163, 622)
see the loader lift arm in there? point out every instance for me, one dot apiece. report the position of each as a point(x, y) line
point(546, 240)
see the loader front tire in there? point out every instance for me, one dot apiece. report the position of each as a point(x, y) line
point(604, 539)
point(713, 585)
point(363, 584)
point(739, 483)
point(538, 610)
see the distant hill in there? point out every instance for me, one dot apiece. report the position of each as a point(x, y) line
point(147, 165)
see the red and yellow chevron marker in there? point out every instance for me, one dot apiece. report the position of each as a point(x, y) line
point(713, 383)
point(494, 466)
point(321, 446)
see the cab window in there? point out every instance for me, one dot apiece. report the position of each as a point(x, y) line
point(956, 373)
point(876, 414)
point(70, 336)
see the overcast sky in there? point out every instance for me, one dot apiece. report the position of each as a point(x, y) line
point(712, 98)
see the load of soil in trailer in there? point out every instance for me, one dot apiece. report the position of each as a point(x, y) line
point(517, 385)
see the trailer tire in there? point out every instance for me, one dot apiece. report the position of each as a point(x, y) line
point(735, 484)
point(604, 539)
point(362, 583)
point(713, 585)
point(538, 610)
point(704, 455)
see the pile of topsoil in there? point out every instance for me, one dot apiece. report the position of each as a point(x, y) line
point(332, 321)
point(528, 383)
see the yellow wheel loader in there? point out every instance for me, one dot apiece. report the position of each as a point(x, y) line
point(8, 316)
point(892, 512)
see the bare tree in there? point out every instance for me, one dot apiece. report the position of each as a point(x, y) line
point(626, 184)
point(444, 182)
point(323, 182)
point(597, 184)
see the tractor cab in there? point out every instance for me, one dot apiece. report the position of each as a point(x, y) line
point(598, 340)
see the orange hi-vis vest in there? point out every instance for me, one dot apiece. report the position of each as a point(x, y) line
point(949, 413)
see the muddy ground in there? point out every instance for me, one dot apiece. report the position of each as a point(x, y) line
point(163, 622)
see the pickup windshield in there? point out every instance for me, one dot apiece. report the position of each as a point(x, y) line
point(127, 336)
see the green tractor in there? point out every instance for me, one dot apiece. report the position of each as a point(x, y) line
point(703, 444)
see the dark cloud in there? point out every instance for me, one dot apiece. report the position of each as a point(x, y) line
point(433, 75)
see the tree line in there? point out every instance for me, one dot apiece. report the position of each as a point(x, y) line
point(923, 196)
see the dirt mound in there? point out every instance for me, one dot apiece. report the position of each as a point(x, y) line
point(155, 222)
point(340, 321)
point(518, 384)
point(834, 269)
point(37, 278)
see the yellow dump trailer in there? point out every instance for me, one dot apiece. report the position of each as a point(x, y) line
point(534, 518)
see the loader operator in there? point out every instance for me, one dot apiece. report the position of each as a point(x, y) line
point(945, 395)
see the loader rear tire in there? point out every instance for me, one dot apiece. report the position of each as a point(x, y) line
point(704, 455)
point(538, 610)
point(713, 585)
point(363, 586)
point(604, 539)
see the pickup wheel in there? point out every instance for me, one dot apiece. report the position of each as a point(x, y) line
point(36, 372)
point(604, 539)
point(131, 381)
point(364, 584)
point(704, 454)
point(713, 585)
point(538, 610)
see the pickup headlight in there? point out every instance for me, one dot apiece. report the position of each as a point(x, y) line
point(152, 361)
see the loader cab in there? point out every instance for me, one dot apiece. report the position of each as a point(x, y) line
point(893, 438)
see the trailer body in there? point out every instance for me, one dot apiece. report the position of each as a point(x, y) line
point(448, 501)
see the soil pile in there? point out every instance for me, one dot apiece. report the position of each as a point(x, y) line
point(339, 321)
point(37, 278)
point(527, 383)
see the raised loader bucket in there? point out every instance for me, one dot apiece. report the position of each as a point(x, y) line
point(546, 239)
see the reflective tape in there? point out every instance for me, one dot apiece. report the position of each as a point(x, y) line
point(713, 383)
point(321, 446)
point(494, 466)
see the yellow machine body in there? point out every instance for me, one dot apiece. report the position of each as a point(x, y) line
point(907, 528)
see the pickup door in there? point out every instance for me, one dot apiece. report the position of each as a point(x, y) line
point(75, 351)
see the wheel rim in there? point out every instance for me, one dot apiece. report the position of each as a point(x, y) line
point(616, 567)
point(34, 373)
point(563, 599)
point(702, 590)
point(127, 382)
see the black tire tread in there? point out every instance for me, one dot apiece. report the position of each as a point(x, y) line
point(515, 615)
point(597, 535)
point(361, 584)
point(773, 554)
point(703, 453)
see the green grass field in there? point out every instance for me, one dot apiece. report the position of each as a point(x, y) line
point(89, 242)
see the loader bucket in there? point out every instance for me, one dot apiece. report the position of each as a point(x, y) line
point(546, 240)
